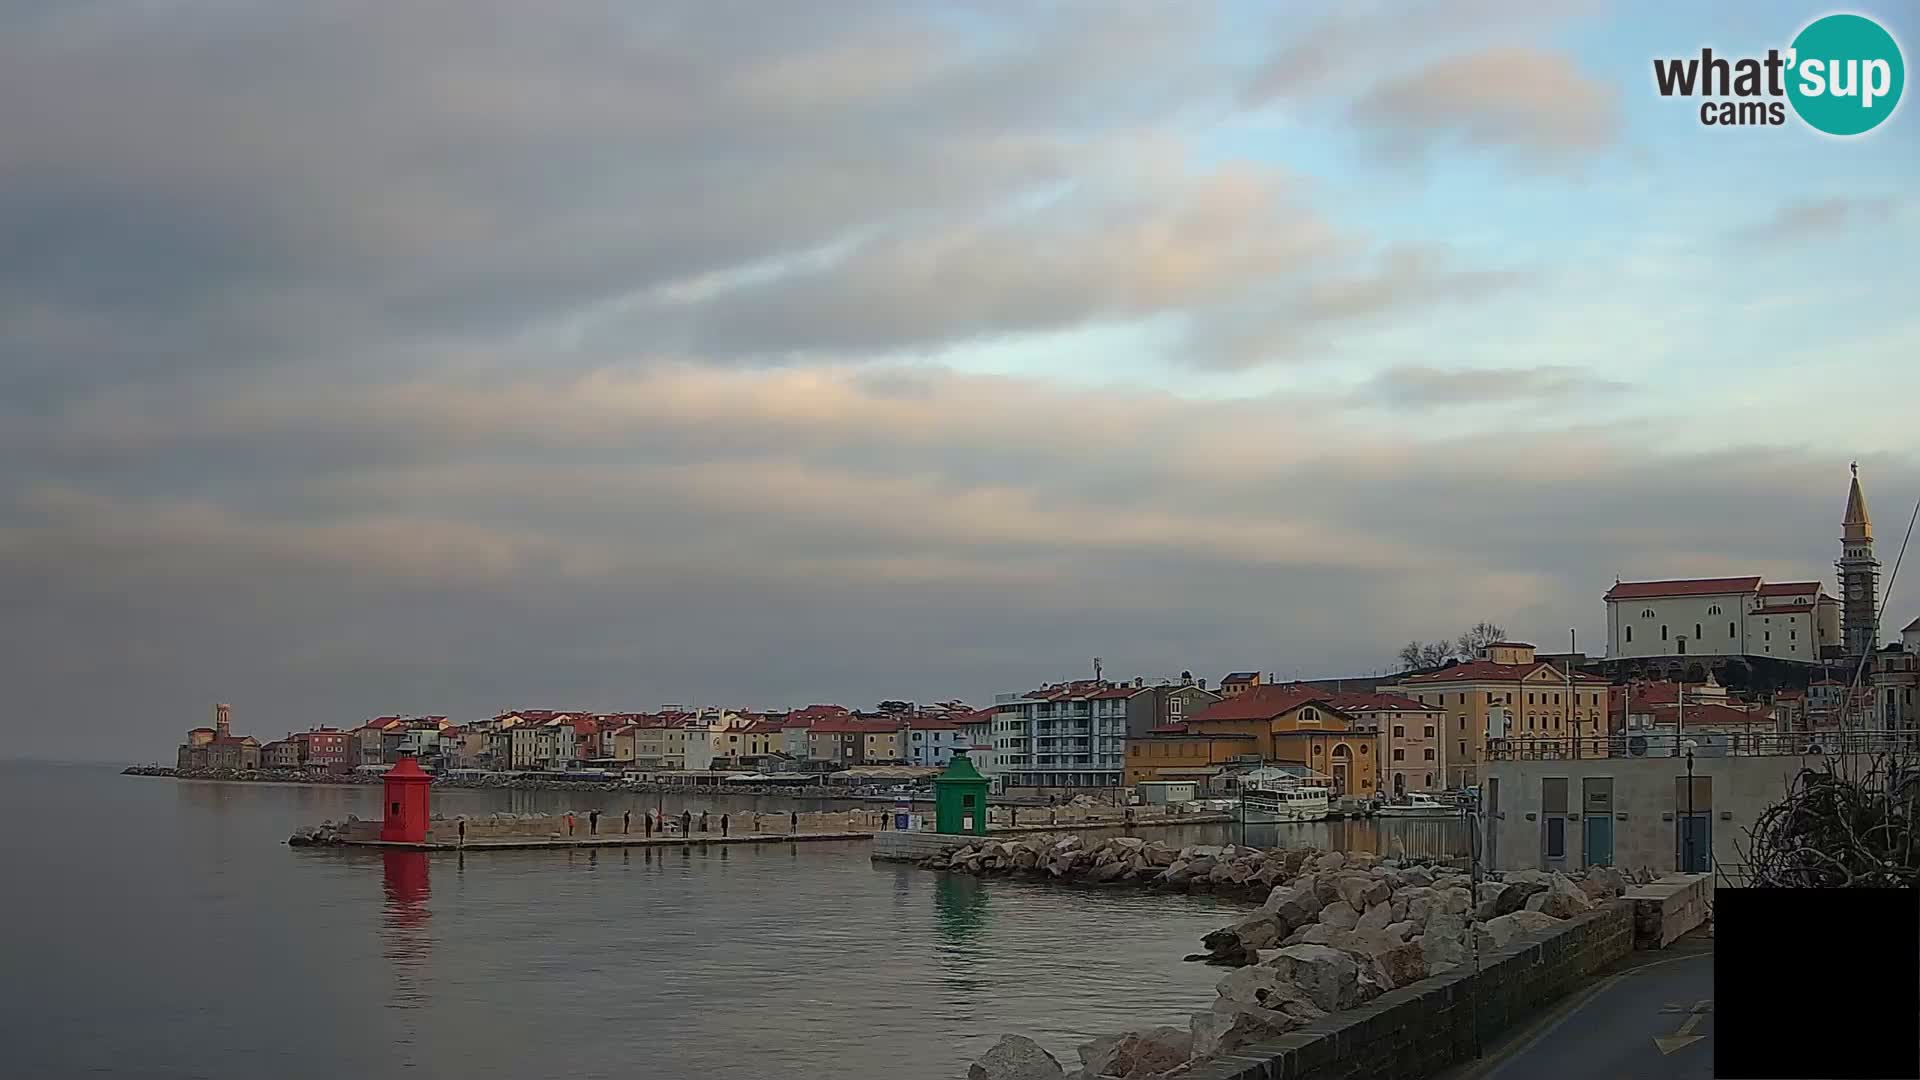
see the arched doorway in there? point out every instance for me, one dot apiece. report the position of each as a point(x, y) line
point(1399, 784)
point(1342, 768)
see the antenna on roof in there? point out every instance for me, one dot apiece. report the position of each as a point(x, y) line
point(1096, 669)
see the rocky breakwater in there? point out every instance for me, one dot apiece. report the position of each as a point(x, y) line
point(1338, 931)
point(1239, 872)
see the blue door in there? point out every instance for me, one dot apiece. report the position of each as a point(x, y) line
point(1599, 839)
point(1696, 843)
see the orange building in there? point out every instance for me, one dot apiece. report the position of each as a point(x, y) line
point(1510, 691)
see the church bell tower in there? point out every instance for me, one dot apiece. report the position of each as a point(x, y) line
point(1859, 575)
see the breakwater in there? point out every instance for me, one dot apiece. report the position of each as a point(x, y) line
point(1333, 934)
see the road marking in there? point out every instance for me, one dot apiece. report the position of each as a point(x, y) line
point(1485, 1068)
point(1685, 1037)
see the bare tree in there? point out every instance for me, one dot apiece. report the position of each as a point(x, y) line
point(1412, 655)
point(1477, 637)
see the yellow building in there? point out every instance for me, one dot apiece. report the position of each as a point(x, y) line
point(1515, 695)
point(1262, 725)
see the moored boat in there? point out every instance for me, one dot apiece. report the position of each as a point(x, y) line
point(1284, 803)
point(1418, 805)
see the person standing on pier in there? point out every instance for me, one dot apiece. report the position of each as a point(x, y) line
point(569, 823)
point(794, 829)
point(647, 820)
point(703, 821)
point(686, 823)
point(626, 822)
point(723, 824)
point(463, 832)
point(593, 823)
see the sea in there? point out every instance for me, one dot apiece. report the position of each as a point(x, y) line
point(162, 928)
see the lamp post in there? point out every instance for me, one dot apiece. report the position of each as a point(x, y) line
point(1680, 701)
point(1680, 833)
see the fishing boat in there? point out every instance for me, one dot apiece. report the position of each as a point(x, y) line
point(1274, 803)
point(1418, 805)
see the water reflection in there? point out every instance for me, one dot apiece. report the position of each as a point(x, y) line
point(403, 926)
point(960, 907)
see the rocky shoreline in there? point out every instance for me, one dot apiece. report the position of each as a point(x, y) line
point(1333, 931)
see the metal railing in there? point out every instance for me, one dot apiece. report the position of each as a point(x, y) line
point(1668, 744)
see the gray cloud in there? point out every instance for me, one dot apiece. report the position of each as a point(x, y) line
point(1810, 219)
point(1532, 106)
point(1323, 52)
point(1415, 387)
point(1296, 324)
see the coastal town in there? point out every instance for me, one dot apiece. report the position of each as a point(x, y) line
point(1712, 668)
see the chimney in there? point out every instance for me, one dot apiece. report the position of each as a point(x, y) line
point(1203, 684)
point(222, 720)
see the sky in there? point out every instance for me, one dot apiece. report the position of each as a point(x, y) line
point(446, 357)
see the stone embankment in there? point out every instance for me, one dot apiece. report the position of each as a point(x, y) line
point(1333, 932)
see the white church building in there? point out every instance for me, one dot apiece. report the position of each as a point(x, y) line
point(1748, 617)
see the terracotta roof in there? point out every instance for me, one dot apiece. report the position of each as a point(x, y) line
point(1169, 730)
point(977, 716)
point(1488, 671)
point(932, 723)
point(1117, 692)
point(1375, 702)
point(1261, 703)
point(849, 725)
point(1710, 715)
point(1789, 588)
point(1644, 590)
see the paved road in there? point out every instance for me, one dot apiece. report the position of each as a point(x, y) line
point(1653, 1020)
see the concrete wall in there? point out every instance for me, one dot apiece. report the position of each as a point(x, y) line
point(1647, 796)
point(1424, 1028)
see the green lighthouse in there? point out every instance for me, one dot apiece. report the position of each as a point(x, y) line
point(960, 798)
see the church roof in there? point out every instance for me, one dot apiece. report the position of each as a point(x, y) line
point(1646, 590)
point(1911, 627)
point(1857, 524)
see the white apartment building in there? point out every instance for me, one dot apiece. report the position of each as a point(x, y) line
point(1720, 617)
point(1070, 735)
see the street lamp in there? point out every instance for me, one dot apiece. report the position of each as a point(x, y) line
point(1680, 827)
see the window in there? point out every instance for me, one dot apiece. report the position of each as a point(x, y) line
point(1429, 758)
point(1399, 731)
point(1793, 635)
point(1399, 754)
point(1663, 631)
point(1766, 635)
point(1429, 775)
point(1556, 838)
point(1463, 749)
point(1316, 751)
point(1629, 633)
point(1463, 699)
point(1363, 749)
point(1556, 699)
point(1697, 635)
point(1714, 610)
point(1430, 731)
point(1729, 629)
point(1530, 700)
point(1646, 613)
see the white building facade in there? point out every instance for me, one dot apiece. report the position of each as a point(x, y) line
point(1071, 735)
point(1721, 617)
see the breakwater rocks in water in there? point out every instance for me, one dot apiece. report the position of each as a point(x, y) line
point(1334, 931)
point(1247, 873)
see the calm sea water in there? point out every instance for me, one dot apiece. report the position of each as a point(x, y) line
point(159, 928)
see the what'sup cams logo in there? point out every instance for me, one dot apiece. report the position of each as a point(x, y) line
point(1842, 75)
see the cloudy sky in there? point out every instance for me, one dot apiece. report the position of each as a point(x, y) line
point(363, 357)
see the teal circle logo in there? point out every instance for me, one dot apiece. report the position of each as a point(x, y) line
point(1845, 74)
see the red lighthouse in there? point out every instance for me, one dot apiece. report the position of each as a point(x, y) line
point(407, 803)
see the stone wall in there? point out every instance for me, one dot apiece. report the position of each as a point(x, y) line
point(1666, 908)
point(1425, 1027)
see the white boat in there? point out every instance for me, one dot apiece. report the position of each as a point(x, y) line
point(1293, 802)
point(1418, 805)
